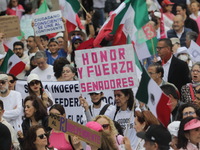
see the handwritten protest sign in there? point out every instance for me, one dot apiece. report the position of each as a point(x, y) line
point(106, 68)
point(9, 25)
point(47, 23)
point(72, 128)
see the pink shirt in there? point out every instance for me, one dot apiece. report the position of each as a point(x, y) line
point(58, 140)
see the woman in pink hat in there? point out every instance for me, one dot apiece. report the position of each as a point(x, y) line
point(189, 134)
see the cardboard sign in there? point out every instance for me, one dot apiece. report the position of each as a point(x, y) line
point(47, 23)
point(72, 128)
point(106, 68)
point(9, 25)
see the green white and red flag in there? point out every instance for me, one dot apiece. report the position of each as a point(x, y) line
point(12, 64)
point(130, 22)
point(151, 94)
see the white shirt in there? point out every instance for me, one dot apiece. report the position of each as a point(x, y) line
point(45, 75)
point(166, 69)
point(180, 34)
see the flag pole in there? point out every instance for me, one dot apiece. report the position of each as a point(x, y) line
point(83, 8)
point(153, 45)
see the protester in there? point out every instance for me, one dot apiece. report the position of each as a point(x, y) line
point(44, 41)
point(124, 114)
point(68, 73)
point(14, 8)
point(190, 36)
point(188, 109)
point(58, 139)
point(109, 127)
point(36, 139)
point(11, 81)
point(32, 46)
point(98, 108)
point(5, 137)
point(141, 123)
point(188, 134)
point(35, 87)
point(156, 137)
point(188, 91)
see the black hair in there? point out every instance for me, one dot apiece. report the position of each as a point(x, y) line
point(184, 7)
point(59, 108)
point(169, 89)
point(159, 68)
point(18, 43)
point(13, 76)
point(167, 41)
point(1, 104)
point(44, 37)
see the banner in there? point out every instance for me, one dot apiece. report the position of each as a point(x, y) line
point(67, 94)
point(47, 23)
point(9, 25)
point(194, 51)
point(106, 68)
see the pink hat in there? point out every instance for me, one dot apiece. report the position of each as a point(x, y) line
point(192, 124)
point(94, 126)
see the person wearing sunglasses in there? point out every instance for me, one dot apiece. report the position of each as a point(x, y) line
point(11, 81)
point(109, 127)
point(12, 101)
point(189, 134)
point(36, 139)
point(35, 87)
point(58, 139)
point(98, 108)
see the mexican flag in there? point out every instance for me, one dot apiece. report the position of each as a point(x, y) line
point(69, 10)
point(43, 8)
point(151, 94)
point(130, 21)
point(12, 64)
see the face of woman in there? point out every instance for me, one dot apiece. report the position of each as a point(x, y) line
point(67, 74)
point(195, 72)
point(41, 139)
point(194, 136)
point(169, 8)
point(77, 43)
point(29, 109)
point(53, 47)
point(35, 85)
point(189, 111)
point(11, 83)
point(120, 99)
point(105, 124)
point(55, 112)
point(138, 126)
point(194, 7)
point(14, 3)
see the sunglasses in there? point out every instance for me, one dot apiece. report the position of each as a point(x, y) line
point(105, 126)
point(11, 81)
point(32, 83)
point(93, 94)
point(2, 82)
point(190, 113)
point(41, 136)
point(77, 43)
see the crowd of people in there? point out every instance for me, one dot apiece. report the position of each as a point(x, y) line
point(129, 124)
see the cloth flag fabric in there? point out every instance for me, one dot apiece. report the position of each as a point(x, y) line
point(194, 51)
point(151, 94)
point(69, 10)
point(12, 64)
point(43, 8)
point(129, 18)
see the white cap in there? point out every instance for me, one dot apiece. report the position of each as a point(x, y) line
point(32, 77)
point(157, 14)
point(181, 50)
point(3, 77)
point(175, 40)
point(173, 128)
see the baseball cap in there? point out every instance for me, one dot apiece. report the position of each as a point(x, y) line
point(181, 50)
point(94, 126)
point(167, 2)
point(157, 134)
point(192, 124)
point(32, 77)
point(173, 128)
point(76, 38)
point(3, 77)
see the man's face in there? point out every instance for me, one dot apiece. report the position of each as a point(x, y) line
point(152, 72)
point(41, 63)
point(178, 23)
point(3, 86)
point(163, 50)
point(30, 43)
point(18, 50)
point(180, 11)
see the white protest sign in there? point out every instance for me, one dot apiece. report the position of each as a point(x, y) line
point(106, 68)
point(67, 94)
point(194, 51)
point(47, 23)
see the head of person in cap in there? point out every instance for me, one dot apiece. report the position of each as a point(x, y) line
point(189, 134)
point(156, 137)
point(167, 8)
point(173, 128)
point(35, 87)
point(182, 54)
point(76, 41)
point(3, 84)
point(79, 33)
